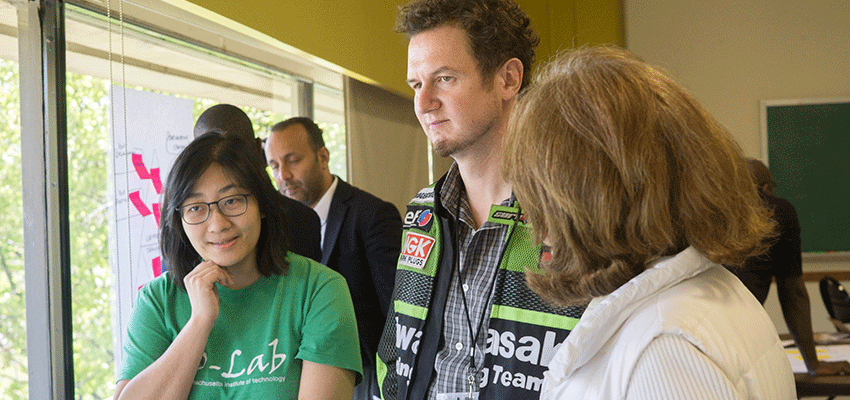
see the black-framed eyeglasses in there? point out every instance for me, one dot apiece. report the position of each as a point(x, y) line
point(230, 206)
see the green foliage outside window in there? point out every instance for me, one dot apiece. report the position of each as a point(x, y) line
point(91, 278)
point(334, 136)
point(13, 338)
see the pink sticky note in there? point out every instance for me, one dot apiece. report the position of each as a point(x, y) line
point(157, 183)
point(156, 213)
point(157, 266)
point(140, 167)
point(140, 205)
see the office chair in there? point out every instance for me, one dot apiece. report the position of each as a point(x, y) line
point(837, 302)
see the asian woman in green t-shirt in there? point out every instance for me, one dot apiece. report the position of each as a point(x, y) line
point(236, 315)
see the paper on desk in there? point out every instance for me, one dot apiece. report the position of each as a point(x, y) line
point(837, 352)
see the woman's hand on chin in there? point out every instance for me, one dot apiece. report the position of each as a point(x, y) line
point(203, 294)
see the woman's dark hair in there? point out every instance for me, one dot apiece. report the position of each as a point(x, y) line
point(236, 157)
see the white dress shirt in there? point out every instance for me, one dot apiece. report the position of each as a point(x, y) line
point(323, 206)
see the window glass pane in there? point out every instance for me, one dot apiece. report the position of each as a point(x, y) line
point(91, 281)
point(329, 112)
point(13, 345)
point(120, 149)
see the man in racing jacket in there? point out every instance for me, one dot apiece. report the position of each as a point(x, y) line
point(522, 333)
point(462, 323)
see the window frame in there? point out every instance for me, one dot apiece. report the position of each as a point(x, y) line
point(41, 44)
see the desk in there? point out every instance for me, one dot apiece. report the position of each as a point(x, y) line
point(819, 386)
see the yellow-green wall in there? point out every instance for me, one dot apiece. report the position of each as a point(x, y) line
point(563, 24)
point(358, 36)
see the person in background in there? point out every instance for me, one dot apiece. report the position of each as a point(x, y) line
point(641, 195)
point(302, 225)
point(462, 323)
point(236, 315)
point(361, 233)
point(784, 263)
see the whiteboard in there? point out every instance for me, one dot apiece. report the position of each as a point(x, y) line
point(148, 132)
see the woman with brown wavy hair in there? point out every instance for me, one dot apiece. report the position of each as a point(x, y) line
point(641, 195)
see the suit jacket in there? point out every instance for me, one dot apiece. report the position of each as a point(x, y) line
point(303, 230)
point(362, 242)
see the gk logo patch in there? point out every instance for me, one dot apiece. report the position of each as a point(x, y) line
point(417, 248)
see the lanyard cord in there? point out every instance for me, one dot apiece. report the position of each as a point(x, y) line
point(473, 334)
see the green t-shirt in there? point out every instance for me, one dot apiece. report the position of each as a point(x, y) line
point(262, 333)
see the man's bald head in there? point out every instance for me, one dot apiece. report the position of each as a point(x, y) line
point(229, 120)
point(226, 119)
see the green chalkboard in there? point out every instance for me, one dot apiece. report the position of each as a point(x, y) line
point(808, 152)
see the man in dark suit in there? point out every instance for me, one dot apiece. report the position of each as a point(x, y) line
point(303, 225)
point(361, 234)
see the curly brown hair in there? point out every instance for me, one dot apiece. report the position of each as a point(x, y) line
point(498, 30)
point(616, 166)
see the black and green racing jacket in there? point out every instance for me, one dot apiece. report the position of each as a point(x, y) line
point(523, 332)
